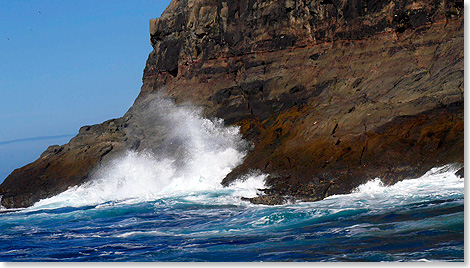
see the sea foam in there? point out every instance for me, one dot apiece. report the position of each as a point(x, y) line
point(210, 149)
point(440, 182)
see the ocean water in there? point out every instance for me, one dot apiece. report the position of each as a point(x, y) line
point(149, 207)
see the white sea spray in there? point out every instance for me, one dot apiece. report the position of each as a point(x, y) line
point(210, 151)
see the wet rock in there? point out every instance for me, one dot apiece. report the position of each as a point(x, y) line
point(270, 200)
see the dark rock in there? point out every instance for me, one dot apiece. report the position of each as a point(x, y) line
point(331, 93)
point(270, 200)
point(460, 173)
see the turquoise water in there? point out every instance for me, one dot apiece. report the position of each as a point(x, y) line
point(414, 220)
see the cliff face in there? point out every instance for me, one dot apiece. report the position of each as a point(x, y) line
point(331, 93)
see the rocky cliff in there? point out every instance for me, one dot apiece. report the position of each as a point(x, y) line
point(331, 93)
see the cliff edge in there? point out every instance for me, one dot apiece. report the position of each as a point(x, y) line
point(331, 93)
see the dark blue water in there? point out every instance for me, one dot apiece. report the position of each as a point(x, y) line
point(414, 220)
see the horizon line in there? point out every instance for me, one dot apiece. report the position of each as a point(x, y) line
point(38, 138)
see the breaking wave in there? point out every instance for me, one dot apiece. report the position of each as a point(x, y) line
point(168, 204)
point(207, 152)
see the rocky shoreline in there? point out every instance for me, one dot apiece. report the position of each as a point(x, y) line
point(330, 93)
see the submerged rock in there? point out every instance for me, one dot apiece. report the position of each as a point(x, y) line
point(330, 93)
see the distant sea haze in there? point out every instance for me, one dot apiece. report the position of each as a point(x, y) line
point(39, 138)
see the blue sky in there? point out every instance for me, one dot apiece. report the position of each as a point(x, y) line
point(65, 64)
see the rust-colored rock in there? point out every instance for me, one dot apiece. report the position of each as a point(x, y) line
point(331, 93)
